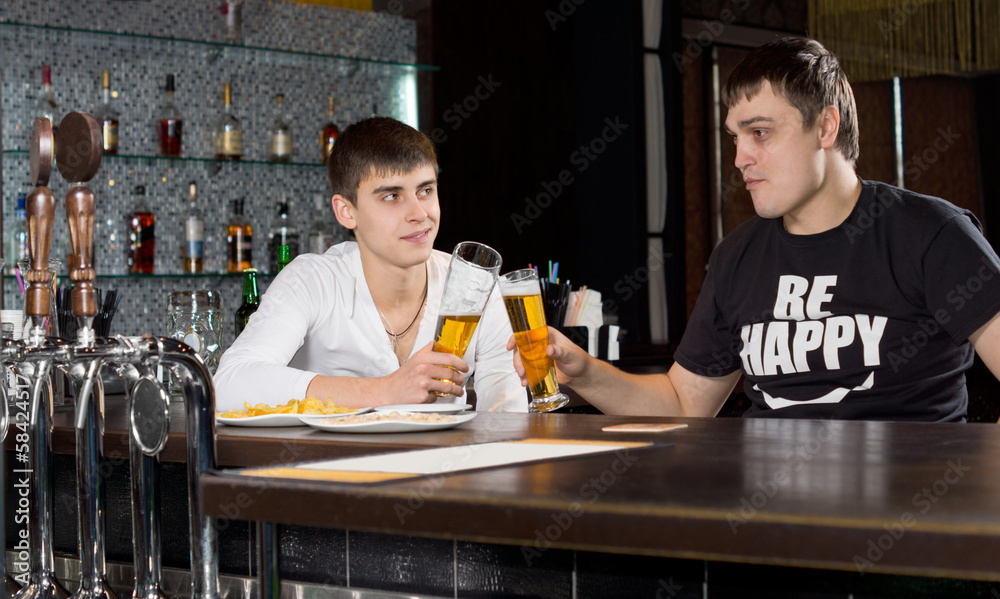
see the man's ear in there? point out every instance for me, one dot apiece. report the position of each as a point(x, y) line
point(829, 126)
point(344, 211)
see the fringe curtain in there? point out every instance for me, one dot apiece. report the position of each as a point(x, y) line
point(880, 39)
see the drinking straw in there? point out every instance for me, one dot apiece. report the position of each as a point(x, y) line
point(575, 314)
point(551, 278)
point(555, 273)
point(20, 281)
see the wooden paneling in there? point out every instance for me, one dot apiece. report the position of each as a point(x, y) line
point(940, 147)
point(697, 170)
point(877, 131)
point(782, 15)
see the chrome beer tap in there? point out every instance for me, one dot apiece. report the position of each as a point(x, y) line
point(148, 427)
point(78, 158)
point(36, 362)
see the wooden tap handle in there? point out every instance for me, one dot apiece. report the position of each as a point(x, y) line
point(42, 144)
point(80, 203)
point(79, 147)
point(40, 208)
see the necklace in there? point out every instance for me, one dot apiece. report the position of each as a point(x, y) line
point(388, 328)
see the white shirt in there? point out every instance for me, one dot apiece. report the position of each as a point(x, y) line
point(318, 317)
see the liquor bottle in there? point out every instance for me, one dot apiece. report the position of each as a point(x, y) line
point(281, 133)
point(251, 300)
point(45, 105)
point(283, 232)
point(228, 131)
point(232, 15)
point(320, 236)
point(169, 123)
point(141, 236)
point(239, 237)
point(284, 257)
point(193, 250)
point(107, 116)
point(330, 132)
point(17, 235)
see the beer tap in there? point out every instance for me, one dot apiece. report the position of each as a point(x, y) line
point(40, 208)
point(79, 153)
point(78, 157)
point(149, 425)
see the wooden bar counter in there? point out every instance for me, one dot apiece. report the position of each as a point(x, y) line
point(774, 504)
point(920, 499)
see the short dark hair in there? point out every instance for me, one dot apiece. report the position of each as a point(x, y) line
point(807, 76)
point(376, 146)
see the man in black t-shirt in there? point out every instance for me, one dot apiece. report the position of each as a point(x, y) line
point(842, 298)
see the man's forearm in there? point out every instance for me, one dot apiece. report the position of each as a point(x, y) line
point(615, 392)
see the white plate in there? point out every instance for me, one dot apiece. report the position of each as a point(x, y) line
point(274, 420)
point(389, 426)
point(427, 408)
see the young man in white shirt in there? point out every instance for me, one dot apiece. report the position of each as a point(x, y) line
point(355, 325)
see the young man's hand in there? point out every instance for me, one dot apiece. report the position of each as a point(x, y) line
point(570, 359)
point(423, 373)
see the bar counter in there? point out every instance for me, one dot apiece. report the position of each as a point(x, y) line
point(845, 498)
point(865, 496)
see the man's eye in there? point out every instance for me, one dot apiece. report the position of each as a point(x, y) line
point(759, 132)
point(426, 191)
point(390, 197)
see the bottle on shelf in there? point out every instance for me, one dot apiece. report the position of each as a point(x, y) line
point(45, 105)
point(283, 232)
point(330, 131)
point(232, 15)
point(107, 116)
point(228, 131)
point(193, 250)
point(251, 300)
point(281, 133)
point(169, 123)
point(284, 257)
point(141, 251)
point(16, 235)
point(320, 236)
point(239, 238)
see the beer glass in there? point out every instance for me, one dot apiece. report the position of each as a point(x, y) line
point(195, 319)
point(471, 277)
point(522, 296)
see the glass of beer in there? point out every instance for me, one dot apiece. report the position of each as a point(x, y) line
point(522, 296)
point(472, 275)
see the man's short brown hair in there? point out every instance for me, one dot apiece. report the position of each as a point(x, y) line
point(376, 146)
point(807, 76)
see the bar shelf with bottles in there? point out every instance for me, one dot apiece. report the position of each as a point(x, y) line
point(304, 53)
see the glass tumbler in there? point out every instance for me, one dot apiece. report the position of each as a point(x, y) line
point(195, 319)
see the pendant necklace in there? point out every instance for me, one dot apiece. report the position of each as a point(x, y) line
point(388, 328)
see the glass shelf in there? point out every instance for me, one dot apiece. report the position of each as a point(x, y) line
point(220, 46)
point(188, 159)
point(180, 275)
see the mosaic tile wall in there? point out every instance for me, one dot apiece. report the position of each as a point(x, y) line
point(138, 70)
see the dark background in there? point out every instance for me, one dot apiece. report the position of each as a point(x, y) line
point(562, 76)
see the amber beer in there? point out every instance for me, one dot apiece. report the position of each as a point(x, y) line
point(527, 318)
point(522, 296)
point(454, 333)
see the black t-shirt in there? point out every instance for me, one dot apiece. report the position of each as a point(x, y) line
point(868, 320)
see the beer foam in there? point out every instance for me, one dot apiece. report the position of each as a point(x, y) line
point(528, 287)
